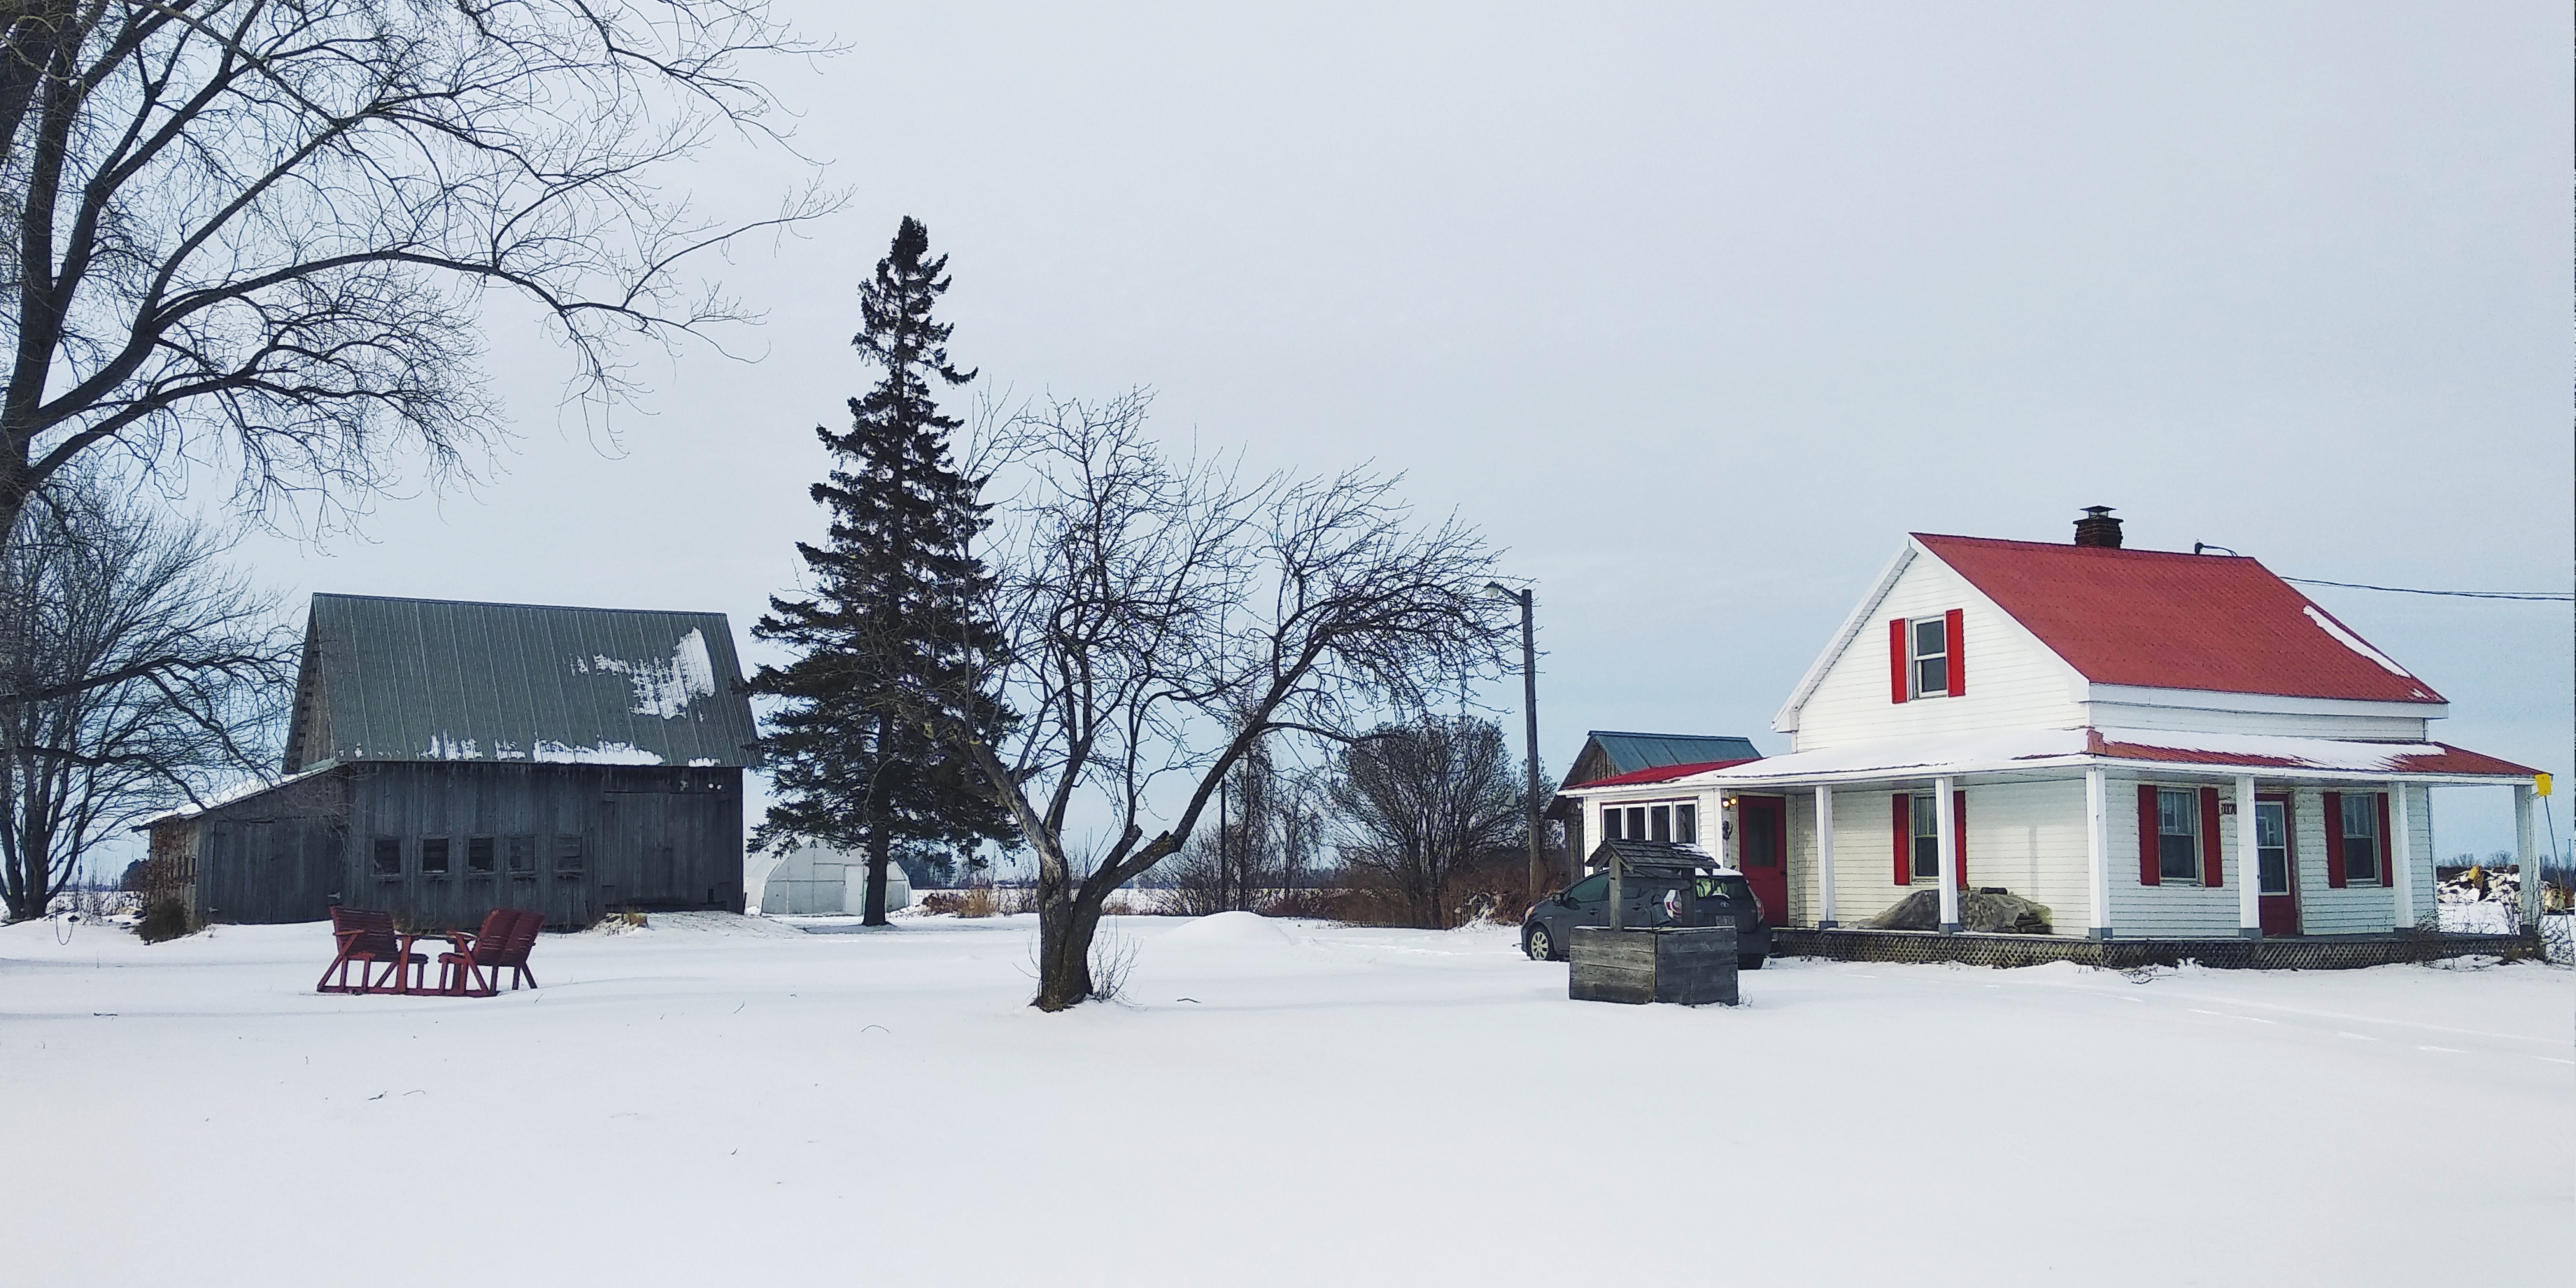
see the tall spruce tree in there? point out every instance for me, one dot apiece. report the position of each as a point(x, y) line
point(896, 609)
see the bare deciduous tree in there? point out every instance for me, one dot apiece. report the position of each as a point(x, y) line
point(1164, 618)
point(265, 232)
point(156, 672)
point(1414, 802)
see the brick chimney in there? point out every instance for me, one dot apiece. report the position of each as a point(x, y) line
point(2098, 528)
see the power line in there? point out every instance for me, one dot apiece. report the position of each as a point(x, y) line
point(2457, 594)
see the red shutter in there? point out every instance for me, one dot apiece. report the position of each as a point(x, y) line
point(1897, 688)
point(2213, 857)
point(1957, 635)
point(2334, 840)
point(2149, 871)
point(1959, 832)
point(1904, 839)
point(2387, 867)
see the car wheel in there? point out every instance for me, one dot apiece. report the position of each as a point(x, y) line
point(1748, 963)
point(1540, 945)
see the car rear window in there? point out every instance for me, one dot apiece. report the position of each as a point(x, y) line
point(1724, 888)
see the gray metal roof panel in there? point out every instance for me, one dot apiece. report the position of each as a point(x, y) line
point(1630, 752)
point(418, 679)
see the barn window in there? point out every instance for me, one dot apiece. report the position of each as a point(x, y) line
point(433, 856)
point(568, 855)
point(388, 857)
point(523, 854)
point(2178, 825)
point(1931, 657)
point(2360, 836)
point(479, 856)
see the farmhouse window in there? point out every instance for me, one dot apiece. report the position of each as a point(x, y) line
point(1686, 823)
point(1927, 838)
point(568, 855)
point(1918, 837)
point(523, 854)
point(479, 856)
point(433, 856)
point(1927, 657)
point(1659, 819)
point(2360, 838)
point(388, 856)
point(2177, 835)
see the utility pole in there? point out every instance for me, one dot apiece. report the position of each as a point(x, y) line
point(1528, 600)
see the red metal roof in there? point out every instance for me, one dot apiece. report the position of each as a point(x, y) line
point(2164, 620)
point(2448, 760)
point(1658, 774)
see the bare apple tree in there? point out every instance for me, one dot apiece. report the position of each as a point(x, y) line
point(1166, 617)
point(264, 233)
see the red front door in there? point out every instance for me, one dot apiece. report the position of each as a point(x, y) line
point(1762, 850)
point(2275, 865)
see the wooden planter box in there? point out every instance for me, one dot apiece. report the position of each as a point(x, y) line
point(1694, 965)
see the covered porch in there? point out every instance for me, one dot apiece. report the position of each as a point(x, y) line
point(2170, 839)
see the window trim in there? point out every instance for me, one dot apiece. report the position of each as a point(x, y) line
point(2199, 835)
point(2344, 837)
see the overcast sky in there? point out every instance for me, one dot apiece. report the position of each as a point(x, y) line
point(1697, 309)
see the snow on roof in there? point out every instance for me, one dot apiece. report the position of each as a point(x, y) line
point(240, 791)
point(2007, 750)
point(2164, 620)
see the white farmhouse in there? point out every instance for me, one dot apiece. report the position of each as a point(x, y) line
point(2155, 745)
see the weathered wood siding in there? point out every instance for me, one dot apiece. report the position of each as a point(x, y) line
point(645, 836)
point(2013, 680)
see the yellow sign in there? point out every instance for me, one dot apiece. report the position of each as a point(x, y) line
point(2540, 782)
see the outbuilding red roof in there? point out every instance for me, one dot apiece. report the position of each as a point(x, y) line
point(1657, 774)
point(2164, 620)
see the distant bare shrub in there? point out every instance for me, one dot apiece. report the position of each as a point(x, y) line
point(939, 902)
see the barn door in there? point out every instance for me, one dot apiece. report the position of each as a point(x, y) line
point(1762, 850)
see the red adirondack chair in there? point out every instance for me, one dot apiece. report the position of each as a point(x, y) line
point(474, 969)
point(369, 941)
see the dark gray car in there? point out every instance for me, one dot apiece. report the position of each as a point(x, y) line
point(1721, 896)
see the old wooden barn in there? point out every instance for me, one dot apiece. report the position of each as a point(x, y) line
point(449, 758)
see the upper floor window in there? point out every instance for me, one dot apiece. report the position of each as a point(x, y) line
point(1926, 657)
point(1931, 658)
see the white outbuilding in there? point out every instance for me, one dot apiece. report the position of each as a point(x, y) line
point(823, 880)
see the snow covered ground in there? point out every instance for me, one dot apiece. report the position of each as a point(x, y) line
point(715, 1100)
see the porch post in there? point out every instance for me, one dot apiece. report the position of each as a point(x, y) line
point(1947, 824)
point(2249, 863)
point(1825, 853)
point(2097, 855)
point(2526, 854)
point(2402, 848)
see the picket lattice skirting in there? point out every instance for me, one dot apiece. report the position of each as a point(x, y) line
point(2340, 952)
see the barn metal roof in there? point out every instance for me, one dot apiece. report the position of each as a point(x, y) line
point(427, 679)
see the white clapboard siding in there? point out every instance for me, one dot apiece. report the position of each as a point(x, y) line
point(2013, 681)
point(2027, 837)
point(2123, 715)
point(2171, 909)
point(2360, 909)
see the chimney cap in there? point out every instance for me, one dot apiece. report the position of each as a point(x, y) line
point(2097, 529)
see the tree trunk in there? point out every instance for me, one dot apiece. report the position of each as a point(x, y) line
point(1065, 927)
point(880, 847)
